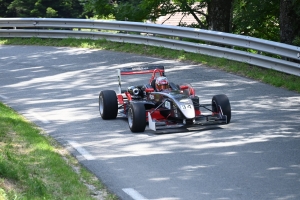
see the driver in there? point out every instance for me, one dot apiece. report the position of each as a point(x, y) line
point(162, 83)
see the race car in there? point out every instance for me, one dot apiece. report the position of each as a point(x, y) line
point(160, 104)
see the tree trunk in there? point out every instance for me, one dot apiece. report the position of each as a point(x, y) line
point(219, 15)
point(287, 22)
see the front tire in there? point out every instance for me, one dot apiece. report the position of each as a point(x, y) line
point(223, 101)
point(137, 117)
point(108, 104)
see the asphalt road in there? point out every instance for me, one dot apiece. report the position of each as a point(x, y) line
point(256, 156)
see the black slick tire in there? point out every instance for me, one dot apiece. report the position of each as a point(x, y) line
point(108, 104)
point(137, 117)
point(223, 101)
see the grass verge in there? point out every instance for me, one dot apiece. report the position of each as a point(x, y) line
point(34, 166)
point(268, 76)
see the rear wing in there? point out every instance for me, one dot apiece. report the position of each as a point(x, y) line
point(138, 70)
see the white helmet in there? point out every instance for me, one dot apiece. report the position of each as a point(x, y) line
point(161, 83)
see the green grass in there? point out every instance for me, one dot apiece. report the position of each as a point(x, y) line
point(34, 166)
point(268, 76)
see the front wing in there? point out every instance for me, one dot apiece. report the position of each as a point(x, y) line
point(216, 118)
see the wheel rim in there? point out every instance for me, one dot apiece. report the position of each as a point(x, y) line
point(101, 105)
point(130, 117)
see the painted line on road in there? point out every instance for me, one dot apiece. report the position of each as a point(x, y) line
point(81, 150)
point(134, 194)
point(39, 117)
point(3, 97)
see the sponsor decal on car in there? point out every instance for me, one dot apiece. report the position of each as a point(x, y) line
point(186, 106)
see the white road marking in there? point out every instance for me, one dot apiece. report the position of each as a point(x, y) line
point(81, 150)
point(133, 194)
point(3, 97)
point(39, 117)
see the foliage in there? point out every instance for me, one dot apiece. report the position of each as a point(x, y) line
point(141, 10)
point(43, 8)
point(4, 12)
point(50, 12)
point(129, 11)
point(296, 41)
point(256, 18)
point(160, 8)
point(121, 10)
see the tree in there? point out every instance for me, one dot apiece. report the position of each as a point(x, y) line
point(4, 12)
point(217, 18)
point(289, 20)
point(256, 18)
point(186, 7)
point(219, 15)
point(120, 10)
point(47, 8)
point(129, 11)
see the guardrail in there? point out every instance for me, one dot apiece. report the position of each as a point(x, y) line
point(151, 34)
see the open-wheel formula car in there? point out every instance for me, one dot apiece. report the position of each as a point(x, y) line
point(160, 104)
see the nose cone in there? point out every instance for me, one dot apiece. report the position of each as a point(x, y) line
point(187, 108)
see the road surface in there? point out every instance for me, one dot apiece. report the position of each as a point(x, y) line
point(256, 156)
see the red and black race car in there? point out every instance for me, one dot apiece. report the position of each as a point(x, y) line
point(171, 106)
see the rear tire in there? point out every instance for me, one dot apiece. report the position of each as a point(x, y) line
point(108, 104)
point(137, 117)
point(223, 101)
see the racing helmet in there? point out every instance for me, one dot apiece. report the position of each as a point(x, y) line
point(161, 83)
